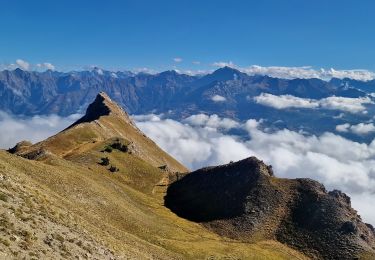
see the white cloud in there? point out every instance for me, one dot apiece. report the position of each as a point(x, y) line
point(285, 101)
point(351, 105)
point(177, 59)
point(148, 117)
point(99, 71)
point(46, 65)
point(331, 159)
point(303, 72)
point(33, 129)
point(212, 121)
point(218, 98)
point(359, 129)
point(195, 72)
point(306, 72)
point(344, 128)
point(24, 65)
point(221, 64)
point(362, 128)
point(202, 140)
point(145, 70)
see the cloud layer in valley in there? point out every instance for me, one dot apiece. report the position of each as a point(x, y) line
point(218, 98)
point(359, 129)
point(202, 140)
point(351, 105)
point(34, 129)
point(335, 161)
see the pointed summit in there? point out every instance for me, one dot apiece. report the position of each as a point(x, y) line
point(104, 122)
point(222, 74)
point(102, 106)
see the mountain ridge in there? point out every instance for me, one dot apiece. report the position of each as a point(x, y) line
point(65, 93)
point(104, 121)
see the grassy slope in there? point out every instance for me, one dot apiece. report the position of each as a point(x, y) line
point(83, 137)
point(119, 211)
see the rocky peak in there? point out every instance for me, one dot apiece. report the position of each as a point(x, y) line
point(20, 146)
point(102, 106)
point(251, 166)
point(104, 122)
point(216, 192)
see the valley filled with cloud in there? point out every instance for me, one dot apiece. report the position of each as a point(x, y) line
point(339, 163)
point(34, 129)
point(346, 104)
point(202, 140)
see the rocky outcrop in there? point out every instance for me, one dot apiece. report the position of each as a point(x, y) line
point(20, 146)
point(244, 201)
point(103, 106)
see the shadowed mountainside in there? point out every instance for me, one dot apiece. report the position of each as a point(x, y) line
point(244, 201)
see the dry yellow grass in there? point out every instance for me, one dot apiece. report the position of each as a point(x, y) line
point(120, 213)
point(125, 216)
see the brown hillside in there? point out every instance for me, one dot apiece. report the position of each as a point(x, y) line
point(103, 122)
point(60, 200)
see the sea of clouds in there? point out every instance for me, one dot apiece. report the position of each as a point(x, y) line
point(202, 140)
point(345, 104)
point(338, 163)
point(14, 129)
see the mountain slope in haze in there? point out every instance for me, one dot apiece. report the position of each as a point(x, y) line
point(244, 201)
point(60, 199)
point(178, 96)
point(35, 93)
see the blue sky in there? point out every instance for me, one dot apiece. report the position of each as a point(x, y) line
point(134, 34)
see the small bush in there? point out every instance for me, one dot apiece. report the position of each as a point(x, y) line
point(108, 149)
point(3, 197)
point(119, 146)
point(58, 237)
point(105, 161)
point(5, 241)
point(113, 169)
point(164, 168)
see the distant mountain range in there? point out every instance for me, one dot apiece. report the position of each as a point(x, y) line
point(31, 93)
point(226, 92)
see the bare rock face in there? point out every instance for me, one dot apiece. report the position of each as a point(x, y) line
point(102, 106)
point(244, 201)
point(20, 146)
